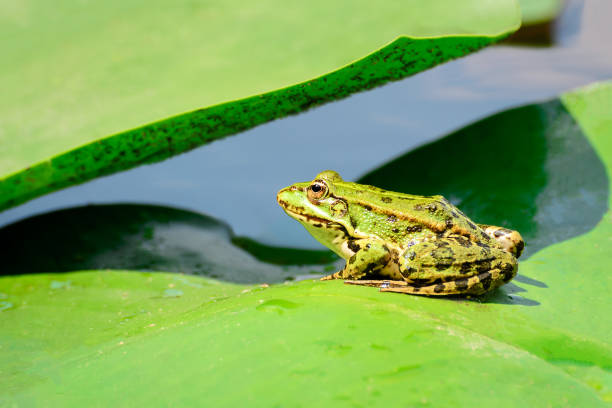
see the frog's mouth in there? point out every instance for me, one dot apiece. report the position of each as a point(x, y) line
point(310, 219)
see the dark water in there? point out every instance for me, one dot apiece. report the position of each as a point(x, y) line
point(236, 179)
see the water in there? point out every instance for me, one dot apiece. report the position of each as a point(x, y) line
point(236, 179)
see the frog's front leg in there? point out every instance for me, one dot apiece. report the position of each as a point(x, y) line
point(370, 258)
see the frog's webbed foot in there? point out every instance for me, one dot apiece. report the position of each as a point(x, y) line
point(383, 284)
point(369, 258)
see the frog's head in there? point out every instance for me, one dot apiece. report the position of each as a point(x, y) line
point(314, 205)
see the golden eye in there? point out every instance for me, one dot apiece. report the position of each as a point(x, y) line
point(317, 190)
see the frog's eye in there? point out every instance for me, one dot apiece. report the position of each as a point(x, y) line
point(317, 190)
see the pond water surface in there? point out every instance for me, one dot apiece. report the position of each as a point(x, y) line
point(236, 179)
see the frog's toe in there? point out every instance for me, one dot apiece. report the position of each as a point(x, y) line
point(510, 240)
point(337, 275)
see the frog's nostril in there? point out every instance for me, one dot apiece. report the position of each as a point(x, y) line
point(281, 196)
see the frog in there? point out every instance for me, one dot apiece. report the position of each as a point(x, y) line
point(402, 243)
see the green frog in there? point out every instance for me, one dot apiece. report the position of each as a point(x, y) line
point(403, 243)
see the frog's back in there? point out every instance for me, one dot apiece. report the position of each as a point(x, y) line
point(433, 212)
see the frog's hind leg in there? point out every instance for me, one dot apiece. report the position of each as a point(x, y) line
point(510, 240)
point(475, 285)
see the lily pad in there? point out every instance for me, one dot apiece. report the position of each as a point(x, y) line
point(149, 238)
point(123, 339)
point(77, 73)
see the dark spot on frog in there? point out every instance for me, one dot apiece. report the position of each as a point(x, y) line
point(463, 241)
point(472, 225)
point(432, 208)
point(367, 207)
point(483, 265)
point(465, 267)
point(353, 223)
point(485, 279)
point(386, 200)
point(442, 244)
point(392, 218)
point(352, 259)
point(461, 284)
point(395, 230)
point(420, 282)
point(439, 288)
point(498, 233)
point(454, 214)
point(368, 246)
point(411, 255)
point(370, 268)
point(352, 245)
point(483, 245)
point(449, 223)
point(414, 228)
point(507, 271)
point(317, 225)
point(519, 248)
point(484, 235)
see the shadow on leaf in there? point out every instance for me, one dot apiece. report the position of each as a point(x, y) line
point(145, 237)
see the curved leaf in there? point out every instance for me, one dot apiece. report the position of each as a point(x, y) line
point(76, 75)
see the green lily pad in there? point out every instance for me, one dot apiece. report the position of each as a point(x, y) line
point(125, 339)
point(77, 73)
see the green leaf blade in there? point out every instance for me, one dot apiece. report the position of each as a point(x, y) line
point(115, 69)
